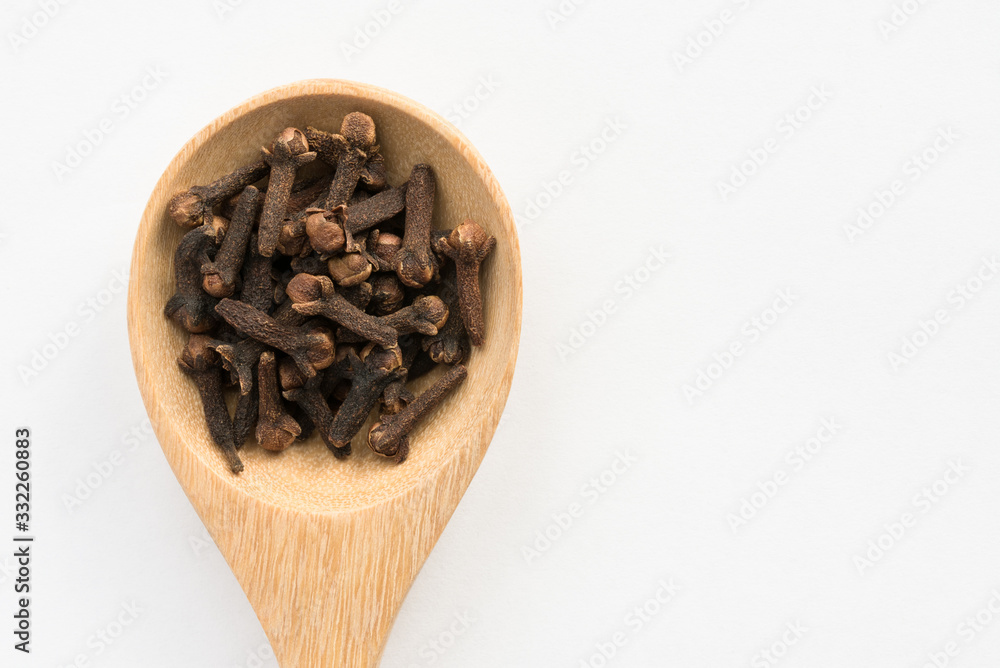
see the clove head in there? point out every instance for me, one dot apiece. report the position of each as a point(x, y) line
point(306, 288)
point(325, 230)
point(385, 248)
point(359, 130)
point(375, 356)
point(186, 209)
point(447, 350)
point(414, 268)
point(349, 269)
point(396, 397)
point(358, 295)
point(289, 376)
point(469, 242)
point(217, 286)
point(292, 239)
point(426, 315)
point(277, 434)
point(198, 355)
point(321, 348)
point(193, 312)
point(387, 294)
point(290, 142)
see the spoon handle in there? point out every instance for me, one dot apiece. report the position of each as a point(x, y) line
point(326, 586)
point(326, 589)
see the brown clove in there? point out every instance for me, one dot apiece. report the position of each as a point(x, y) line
point(311, 345)
point(190, 307)
point(220, 275)
point(416, 265)
point(276, 430)
point(288, 152)
point(384, 436)
point(371, 373)
point(468, 245)
point(199, 362)
point(194, 206)
point(316, 295)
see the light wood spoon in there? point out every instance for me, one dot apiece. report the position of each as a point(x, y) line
point(325, 549)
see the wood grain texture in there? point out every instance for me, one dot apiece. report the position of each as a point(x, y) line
point(325, 549)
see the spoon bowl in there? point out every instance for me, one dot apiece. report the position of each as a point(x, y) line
point(326, 549)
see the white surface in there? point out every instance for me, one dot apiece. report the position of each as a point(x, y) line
point(678, 133)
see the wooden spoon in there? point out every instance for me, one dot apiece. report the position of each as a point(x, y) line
point(325, 549)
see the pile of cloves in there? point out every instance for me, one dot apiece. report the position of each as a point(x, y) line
point(316, 291)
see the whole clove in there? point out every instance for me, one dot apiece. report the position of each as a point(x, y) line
point(191, 307)
point(416, 265)
point(221, 274)
point(198, 361)
point(384, 437)
point(450, 345)
point(371, 373)
point(194, 206)
point(275, 429)
point(468, 245)
point(311, 346)
point(288, 152)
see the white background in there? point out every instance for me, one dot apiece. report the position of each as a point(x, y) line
point(593, 382)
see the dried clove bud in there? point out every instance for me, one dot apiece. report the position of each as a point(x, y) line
point(384, 437)
point(356, 141)
point(416, 265)
point(288, 152)
point(316, 295)
point(194, 206)
point(276, 429)
point(220, 275)
point(198, 361)
point(191, 308)
point(425, 315)
point(311, 346)
point(350, 269)
point(371, 373)
point(451, 343)
point(468, 245)
point(354, 155)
